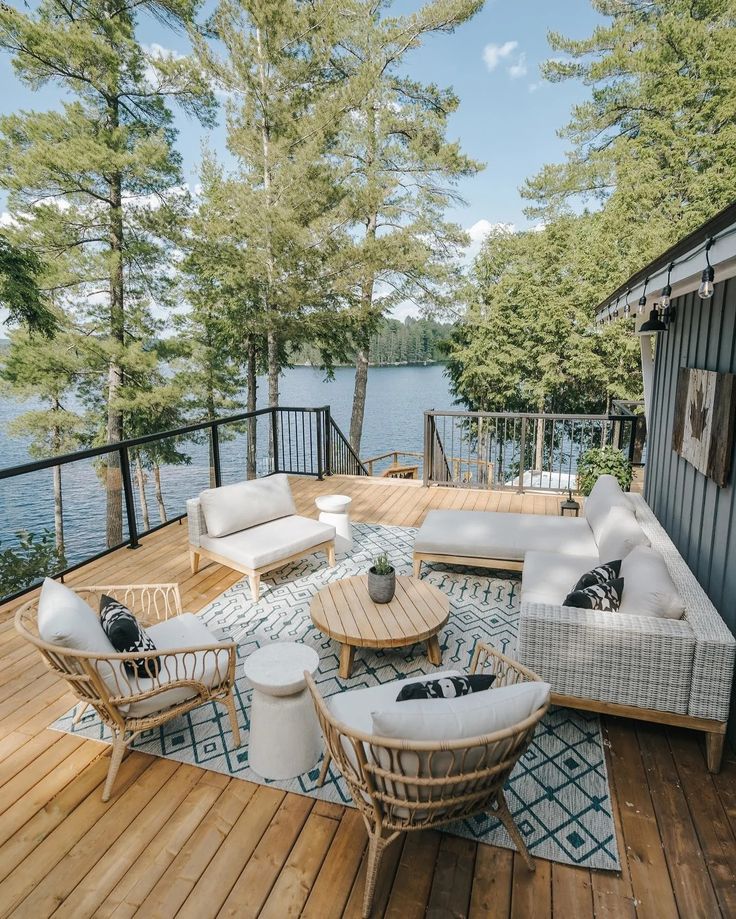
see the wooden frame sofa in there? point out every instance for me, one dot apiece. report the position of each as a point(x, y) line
point(253, 527)
point(671, 667)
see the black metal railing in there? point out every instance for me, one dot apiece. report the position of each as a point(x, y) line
point(523, 451)
point(301, 441)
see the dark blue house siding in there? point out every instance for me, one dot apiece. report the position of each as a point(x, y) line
point(698, 515)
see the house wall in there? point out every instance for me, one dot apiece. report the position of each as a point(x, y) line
point(698, 515)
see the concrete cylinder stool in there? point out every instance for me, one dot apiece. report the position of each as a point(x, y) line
point(285, 738)
point(334, 509)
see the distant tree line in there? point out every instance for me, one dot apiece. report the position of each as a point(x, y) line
point(413, 341)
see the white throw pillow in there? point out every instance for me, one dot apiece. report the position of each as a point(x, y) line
point(65, 619)
point(619, 533)
point(232, 508)
point(605, 494)
point(648, 587)
point(466, 716)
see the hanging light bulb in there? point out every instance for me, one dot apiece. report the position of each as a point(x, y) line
point(665, 299)
point(615, 309)
point(705, 291)
point(627, 310)
point(643, 298)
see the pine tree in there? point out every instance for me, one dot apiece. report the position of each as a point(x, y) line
point(400, 170)
point(284, 100)
point(655, 144)
point(48, 373)
point(88, 183)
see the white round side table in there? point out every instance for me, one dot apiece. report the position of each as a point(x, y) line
point(285, 738)
point(334, 509)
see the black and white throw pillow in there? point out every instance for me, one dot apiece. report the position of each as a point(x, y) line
point(606, 596)
point(599, 575)
point(126, 634)
point(447, 687)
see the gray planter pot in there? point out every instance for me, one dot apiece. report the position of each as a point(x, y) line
point(381, 587)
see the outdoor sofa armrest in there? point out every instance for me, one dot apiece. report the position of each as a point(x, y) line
point(196, 522)
point(610, 657)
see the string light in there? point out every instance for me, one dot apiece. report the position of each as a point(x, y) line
point(643, 298)
point(666, 298)
point(705, 291)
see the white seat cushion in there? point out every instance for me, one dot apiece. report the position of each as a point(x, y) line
point(619, 533)
point(548, 577)
point(462, 717)
point(485, 534)
point(65, 619)
point(605, 494)
point(648, 587)
point(270, 542)
point(210, 668)
point(232, 508)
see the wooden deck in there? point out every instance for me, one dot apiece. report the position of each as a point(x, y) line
point(180, 841)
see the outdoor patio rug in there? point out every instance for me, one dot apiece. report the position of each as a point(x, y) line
point(558, 793)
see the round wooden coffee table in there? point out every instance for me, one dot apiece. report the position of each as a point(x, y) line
point(344, 611)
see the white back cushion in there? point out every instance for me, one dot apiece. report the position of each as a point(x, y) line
point(619, 534)
point(232, 508)
point(465, 716)
point(65, 619)
point(605, 494)
point(648, 587)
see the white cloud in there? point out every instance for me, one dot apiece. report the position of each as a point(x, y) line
point(7, 220)
point(494, 54)
point(533, 87)
point(518, 68)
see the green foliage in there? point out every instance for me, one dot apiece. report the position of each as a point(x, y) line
point(527, 342)
point(382, 564)
point(33, 557)
point(655, 143)
point(20, 295)
point(603, 461)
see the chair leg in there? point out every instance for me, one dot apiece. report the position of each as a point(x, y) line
point(417, 567)
point(255, 586)
point(331, 555)
point(504, 815)
point(81, 709)
point(714, 750)
point(119, 746)
point(376, 846)
point(194, 560)
point(323, 771)
point(234, 726)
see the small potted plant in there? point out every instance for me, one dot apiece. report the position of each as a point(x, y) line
point(381, 579)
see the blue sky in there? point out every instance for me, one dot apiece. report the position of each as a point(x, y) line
point(508, 117)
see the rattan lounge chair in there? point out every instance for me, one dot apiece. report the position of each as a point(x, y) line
point(401, 786)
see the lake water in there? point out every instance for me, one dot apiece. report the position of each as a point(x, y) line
point(396, 400)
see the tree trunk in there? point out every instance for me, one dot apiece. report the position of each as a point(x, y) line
point(159, 494)
point(274, 368)
point(359, 393)
point(140, 477)
point(115, 372)
point(361, 360)
point(251, 404)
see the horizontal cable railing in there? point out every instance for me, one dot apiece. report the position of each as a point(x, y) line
point(76, 508)
point(521, 451)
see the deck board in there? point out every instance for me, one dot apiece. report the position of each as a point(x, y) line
point(179, 841)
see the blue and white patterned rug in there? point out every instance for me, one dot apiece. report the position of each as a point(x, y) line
point(558, 793)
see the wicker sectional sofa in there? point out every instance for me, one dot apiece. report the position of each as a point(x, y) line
point(675, 671)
